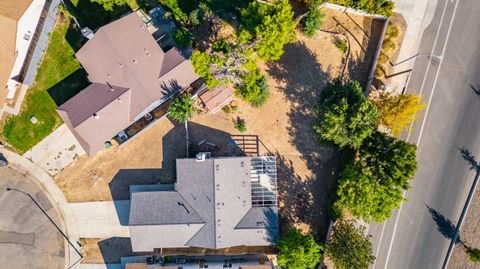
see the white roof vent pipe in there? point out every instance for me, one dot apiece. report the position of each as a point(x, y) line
point(96, 116)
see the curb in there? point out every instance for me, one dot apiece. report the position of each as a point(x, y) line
point(52, 191)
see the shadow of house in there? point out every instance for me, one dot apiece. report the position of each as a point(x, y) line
point(305, 199)
point(69, 86)
point(112, 249)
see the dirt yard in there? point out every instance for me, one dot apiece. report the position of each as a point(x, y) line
point(307, 171)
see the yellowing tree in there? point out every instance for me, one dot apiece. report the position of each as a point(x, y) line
point(397, 111)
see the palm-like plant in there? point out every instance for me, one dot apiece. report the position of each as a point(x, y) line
point(181, 110)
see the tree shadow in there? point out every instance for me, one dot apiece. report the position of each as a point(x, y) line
point(468, 156)
point(69, 86)
point(92, 15)
point(445, 226)
point(74, 37)
point(304, 199)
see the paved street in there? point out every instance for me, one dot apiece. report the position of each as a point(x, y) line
point(410, 238)
point(27, 238)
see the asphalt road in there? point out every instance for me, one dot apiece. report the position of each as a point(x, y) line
point(411, 237)
point(27, 238)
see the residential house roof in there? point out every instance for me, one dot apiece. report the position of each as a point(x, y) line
point(218, 209)
point(125, 54)
point(96, 114)
point(10, 12)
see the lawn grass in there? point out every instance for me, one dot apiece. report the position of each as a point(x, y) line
point(59, 77)
point(58, 63)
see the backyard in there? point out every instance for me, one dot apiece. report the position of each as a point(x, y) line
point(59, 77)
point(307, 170)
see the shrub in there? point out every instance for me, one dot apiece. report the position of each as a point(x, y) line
point(382, 59)
point(382, 7)
point(341, 45)
point(389, 44)
point(240, 125)
point(183, 38)
point(312, 21)
point(392, 31)
point(474, 254)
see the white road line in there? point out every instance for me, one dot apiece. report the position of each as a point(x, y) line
point(424, 119)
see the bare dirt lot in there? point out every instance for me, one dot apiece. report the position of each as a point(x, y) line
point(307, 171)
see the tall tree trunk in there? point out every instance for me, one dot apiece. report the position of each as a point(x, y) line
point(187, 137)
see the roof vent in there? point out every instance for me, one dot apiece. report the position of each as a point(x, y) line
point(134, 61)
point(148, 53)
point(202, 156)
point(110, 86)
point(96, 116)
point(120, 64)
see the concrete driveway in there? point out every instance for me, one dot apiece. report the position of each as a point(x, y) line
point(56, 151)
point(27, 238)
point(102, 219)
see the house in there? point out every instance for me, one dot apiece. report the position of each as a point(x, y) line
point(216, 203)
point(18, 24)
point(131, 75)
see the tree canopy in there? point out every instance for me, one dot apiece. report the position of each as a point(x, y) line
point(108, 4)
point(373, 185)
point(272, 25)
point(397, 111)
point(346, 116)
point(349, 247)
point(474, 254)
point(298, 251)
point(182, 109)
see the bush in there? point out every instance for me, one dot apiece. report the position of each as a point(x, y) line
point(298, 251)
point(341, 45)
point(392, 31)
point(382, 59)
point(183, 38)
point(240, 125)
point(312, 21)
point(382, 7)
point(389, 44)
point(474, 254)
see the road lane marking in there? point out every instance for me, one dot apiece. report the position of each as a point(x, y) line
point(424, 118)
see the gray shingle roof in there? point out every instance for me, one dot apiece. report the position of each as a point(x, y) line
point(219, 191)
point(161, 207)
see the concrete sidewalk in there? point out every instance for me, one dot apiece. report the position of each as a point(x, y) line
point(418, 14)
point(102, 219)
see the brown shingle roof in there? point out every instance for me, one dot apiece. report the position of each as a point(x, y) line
point(216, 98)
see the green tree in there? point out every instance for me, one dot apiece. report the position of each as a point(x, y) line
point(474, 254)
point(254, 88)
point(181, 110)
point(349, 247)
point(372, 187)
point(346, 116)
point(313, 19)
point(202, 62)
point(108, 4)
point(298, 251)
point(397, 111)
point(183, 38)
point(272, 25)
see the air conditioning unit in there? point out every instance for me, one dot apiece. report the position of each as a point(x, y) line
point(202, 156)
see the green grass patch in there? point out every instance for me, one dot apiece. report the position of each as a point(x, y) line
point(58, 64)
